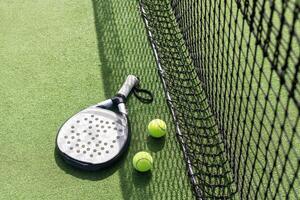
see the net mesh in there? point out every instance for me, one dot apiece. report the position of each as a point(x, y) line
point(230, 71)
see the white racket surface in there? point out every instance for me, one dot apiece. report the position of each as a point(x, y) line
point(94, 135)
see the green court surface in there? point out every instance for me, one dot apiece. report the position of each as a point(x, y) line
point(57, 57)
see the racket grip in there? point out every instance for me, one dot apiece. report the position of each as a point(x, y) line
point(129, 84)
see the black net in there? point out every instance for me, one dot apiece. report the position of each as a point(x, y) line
point(230, 71)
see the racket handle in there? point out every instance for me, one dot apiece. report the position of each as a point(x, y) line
point(129, 84)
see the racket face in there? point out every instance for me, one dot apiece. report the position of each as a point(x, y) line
point(93, 136)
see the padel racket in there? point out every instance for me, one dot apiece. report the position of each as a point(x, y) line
point(98, 135)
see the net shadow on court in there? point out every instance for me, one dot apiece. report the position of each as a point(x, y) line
point(124, 49)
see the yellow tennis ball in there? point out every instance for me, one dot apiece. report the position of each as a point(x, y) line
point(157, 128)
point(142, 161)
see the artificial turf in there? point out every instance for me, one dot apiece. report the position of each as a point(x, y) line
point(57, 57)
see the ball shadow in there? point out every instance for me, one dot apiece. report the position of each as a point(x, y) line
point(155, 144)
point(141, 179)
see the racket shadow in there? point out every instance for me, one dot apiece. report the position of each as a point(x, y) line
point(89, 175)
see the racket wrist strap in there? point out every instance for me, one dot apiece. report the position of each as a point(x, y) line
point(143, 95)
point(132, 85)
